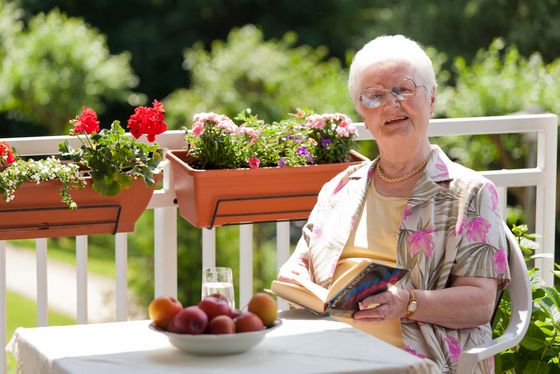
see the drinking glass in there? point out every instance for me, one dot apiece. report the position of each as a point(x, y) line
point(218, 280)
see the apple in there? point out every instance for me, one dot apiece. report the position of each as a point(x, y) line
point(221, 325)
point(191, 320)
point(214, 307)
point(247, 322)
point(265, 307)
point(234, 313)
point(220, 296)
point(162, 309)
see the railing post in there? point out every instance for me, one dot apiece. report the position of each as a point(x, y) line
point(208, 248)
point(282, 252)
point(82, 279)
point(3, 306)
point(42, 283)
point(165, 251)
point(121, 270)
point(245, 264)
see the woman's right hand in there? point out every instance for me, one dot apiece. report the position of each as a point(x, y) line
point(290, 273)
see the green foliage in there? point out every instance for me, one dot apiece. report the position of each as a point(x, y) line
point(14, 175)
point(539, 351)
point(271, 77)
point(501, 81)
point(56, 65)
point(114, 159)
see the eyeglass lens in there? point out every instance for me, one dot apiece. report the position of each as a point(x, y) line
point(374, 97)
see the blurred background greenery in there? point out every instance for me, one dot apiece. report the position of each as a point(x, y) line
point(493, 57)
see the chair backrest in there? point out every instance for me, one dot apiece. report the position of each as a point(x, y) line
point(521, 306)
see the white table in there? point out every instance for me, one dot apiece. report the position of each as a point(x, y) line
point(303, 344)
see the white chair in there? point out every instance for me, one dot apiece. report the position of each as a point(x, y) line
point(521, 305)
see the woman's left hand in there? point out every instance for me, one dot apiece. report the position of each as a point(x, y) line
point(387, 305)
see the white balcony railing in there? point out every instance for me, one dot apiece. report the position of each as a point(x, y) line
point(542, 177)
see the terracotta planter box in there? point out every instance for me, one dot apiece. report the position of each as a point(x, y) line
point(209, 198)
point(37, 212)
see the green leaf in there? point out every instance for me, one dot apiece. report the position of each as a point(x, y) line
point(534, 339)
point(536, 367)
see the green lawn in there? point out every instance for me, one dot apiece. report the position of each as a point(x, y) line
point(22, 312)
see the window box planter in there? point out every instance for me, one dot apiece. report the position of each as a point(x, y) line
point(209, 198)
point(37, 211)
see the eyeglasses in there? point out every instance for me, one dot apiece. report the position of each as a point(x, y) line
point(374, 97)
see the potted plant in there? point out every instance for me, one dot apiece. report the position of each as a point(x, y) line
point(245, 170)
point(539, 350)
point(101, 187)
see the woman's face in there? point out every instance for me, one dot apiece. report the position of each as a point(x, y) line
point(394, 121)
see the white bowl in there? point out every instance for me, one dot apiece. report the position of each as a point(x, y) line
point(210, 344)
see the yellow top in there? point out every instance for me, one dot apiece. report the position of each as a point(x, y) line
point(374, 239)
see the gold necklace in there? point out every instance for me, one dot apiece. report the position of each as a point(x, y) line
point(385, 179)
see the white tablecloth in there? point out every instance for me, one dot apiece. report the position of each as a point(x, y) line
point(303, 344)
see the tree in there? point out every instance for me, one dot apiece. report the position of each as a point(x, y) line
point(271, 77)
point(56, 65)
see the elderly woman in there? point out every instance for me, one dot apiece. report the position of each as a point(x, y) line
point(414, 207)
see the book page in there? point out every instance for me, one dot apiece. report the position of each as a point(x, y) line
point(300, 295)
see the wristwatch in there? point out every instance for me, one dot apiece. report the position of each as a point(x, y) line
point(411, 307)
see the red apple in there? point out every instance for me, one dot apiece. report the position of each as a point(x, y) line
point(214, 307)
point(234, 313)
point(162, 309)
point(220, 296)
point(247, 322)
point(221, 325)
point(191, 320)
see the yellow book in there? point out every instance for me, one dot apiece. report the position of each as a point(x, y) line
point(365, 278)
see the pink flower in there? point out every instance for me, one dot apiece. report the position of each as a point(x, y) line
point(500, 261)
point(254, 163)
point(453, 347)
point(422, 240)
point(477, 228)
point(198, 129)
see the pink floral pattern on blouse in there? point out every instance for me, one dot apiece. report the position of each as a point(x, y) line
point(493, 194)
point(421, 240)
point(476, 229)
point(453, 347)
point(500, 261)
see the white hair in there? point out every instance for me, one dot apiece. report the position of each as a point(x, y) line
point(389, 48)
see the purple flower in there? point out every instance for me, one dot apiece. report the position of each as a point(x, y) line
point(304, 152)
point(281, 162)
point(325, 142)
point(289, 137)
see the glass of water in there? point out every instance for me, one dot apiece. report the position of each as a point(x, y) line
point(218, 280)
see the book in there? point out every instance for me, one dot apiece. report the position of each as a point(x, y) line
point(365, 278)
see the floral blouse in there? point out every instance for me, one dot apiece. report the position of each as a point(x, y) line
point(451, 226)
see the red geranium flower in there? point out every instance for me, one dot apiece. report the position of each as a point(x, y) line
point(149, 121)
point(86, 122)
point(6, 154)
